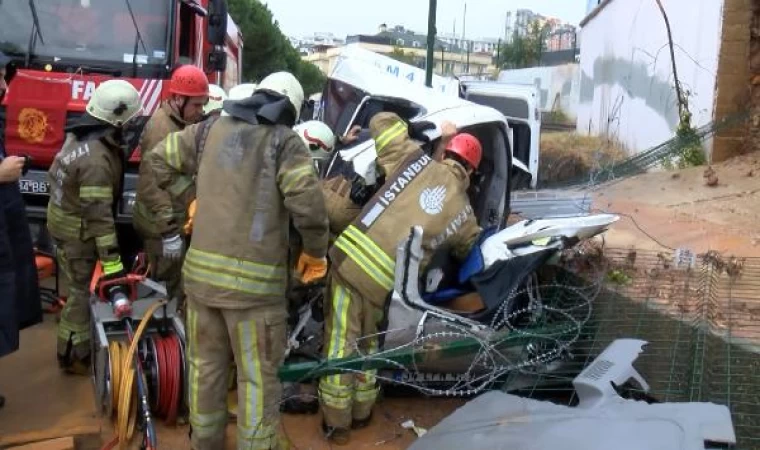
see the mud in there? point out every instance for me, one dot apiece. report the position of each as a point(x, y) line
point(39, 397)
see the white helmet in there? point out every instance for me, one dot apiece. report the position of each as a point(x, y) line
point(318, 137)
point(242, 91)
point(284, 83)
point(216, 97)
point(115, 102)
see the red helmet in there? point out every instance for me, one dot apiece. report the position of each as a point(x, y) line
point(189, 81)
point(467, 147)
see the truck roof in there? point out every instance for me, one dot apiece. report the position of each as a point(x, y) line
point(436, 106)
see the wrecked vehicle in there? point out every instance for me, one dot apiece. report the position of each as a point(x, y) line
point(453, 324)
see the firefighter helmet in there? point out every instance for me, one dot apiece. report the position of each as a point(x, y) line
point(241, 91)
point(284, 83)
point(216, 97)
point(467, 147)
point(318, 137)
point(189, 81)
point(115, 102)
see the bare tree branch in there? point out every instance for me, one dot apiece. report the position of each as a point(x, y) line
point(683, 107)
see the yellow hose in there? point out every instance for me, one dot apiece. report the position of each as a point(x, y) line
point(123, 380)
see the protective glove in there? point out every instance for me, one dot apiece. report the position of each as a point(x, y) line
point(417, 130)
point(311, 268)
point(188, 227)
point(173, 246)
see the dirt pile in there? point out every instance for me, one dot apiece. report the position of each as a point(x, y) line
point(569, 156)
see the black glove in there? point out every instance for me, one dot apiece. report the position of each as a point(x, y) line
point(417, 130)
point(361, 193)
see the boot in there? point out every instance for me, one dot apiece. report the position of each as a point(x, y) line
point(358, 424)
point(74, 366)
point(337, 436)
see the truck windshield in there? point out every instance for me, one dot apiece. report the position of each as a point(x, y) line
point(99, 30)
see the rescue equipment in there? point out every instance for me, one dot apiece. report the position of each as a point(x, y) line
point(137, 374)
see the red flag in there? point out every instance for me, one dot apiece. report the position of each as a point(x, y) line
point(36, 116)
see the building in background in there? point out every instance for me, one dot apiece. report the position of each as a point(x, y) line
point(451, 56)
point(316, 42)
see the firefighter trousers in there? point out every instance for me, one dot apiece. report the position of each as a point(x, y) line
point(166, 270)
point(76, 262)
point(351, 326)
point(256, 338)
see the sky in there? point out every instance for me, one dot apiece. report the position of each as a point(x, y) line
point(485, 18)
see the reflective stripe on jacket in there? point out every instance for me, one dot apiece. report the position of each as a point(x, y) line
point(250, 181)
point(85, 184)
point(422, 192)
point(149, 220)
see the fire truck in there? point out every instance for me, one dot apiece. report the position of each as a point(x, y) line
point(63, 49)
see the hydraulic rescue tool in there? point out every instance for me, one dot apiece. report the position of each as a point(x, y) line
point(137, 373)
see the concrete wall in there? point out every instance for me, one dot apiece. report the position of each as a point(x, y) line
point(559, 86)
point(739, 61)
point(627, 89)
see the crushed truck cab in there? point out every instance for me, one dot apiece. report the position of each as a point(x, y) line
point(354, 95)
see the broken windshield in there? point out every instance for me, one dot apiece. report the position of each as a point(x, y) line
point(87, 29)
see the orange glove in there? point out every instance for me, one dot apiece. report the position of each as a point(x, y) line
point(188, 228)
point(311, 268)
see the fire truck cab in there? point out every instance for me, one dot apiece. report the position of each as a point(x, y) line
point(63, 49)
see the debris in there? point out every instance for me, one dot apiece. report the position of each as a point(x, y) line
point(711, 178)
point(602, 419)
point(675, 175)
point(750, 173)
point(409, 425)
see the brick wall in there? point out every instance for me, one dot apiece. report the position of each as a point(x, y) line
point(734, 75)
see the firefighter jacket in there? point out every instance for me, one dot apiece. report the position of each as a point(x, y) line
point(385, 129)
point(422, 192)
point(250, 180)
point(86, 181)
point(149, 222)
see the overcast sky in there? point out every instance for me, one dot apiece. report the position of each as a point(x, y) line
point(485, 18)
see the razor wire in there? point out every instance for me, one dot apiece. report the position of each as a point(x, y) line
point(489, 364)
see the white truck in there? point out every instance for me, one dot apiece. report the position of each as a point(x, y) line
point(361, 75)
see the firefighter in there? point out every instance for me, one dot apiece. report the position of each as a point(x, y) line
point(86, 182)
point(216, 98)
point(254, 174)
point(160, 229)
point(319, 139)
point(346, 192)
point(19, 289)
point(422, 191)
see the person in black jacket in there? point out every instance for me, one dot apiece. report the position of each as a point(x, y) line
point(20, 305)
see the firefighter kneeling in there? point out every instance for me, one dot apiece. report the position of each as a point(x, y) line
point(421, 191)
point(86, 181)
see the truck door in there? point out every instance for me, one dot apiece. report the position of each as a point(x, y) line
point(518, 104)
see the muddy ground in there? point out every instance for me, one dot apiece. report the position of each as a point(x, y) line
point(671, 209)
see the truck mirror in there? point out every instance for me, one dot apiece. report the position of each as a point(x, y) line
point(217, 60)
point(195, 7)
point(217, 22)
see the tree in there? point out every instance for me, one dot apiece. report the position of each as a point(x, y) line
point(524, 50)
point(399, 55)
point(267, 50)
